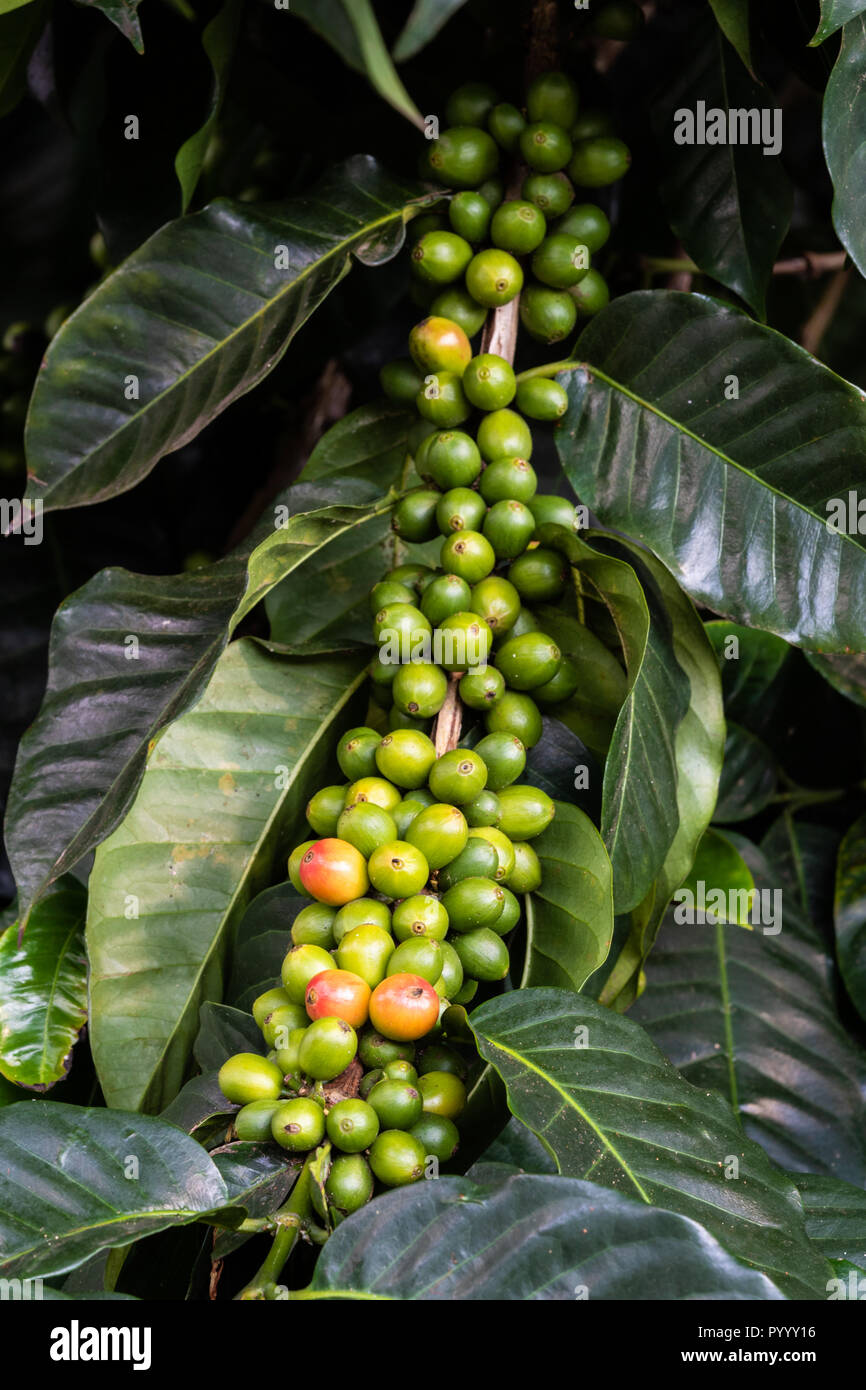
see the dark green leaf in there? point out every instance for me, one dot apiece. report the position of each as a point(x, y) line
point(847, 674)
point(516, 1147)
point(264, 936)
point(747, 1013)
point(222, 1032)
point(850, 913)
point(803, 857)
point(732, 17)
point(564, 767)
point(427, 17)
point(835, 13)
point(569, 920)
point(749, 776)
point(223, 786)
point(76, 1181)
point(844, 129)
point(18, 34)
point(719, 869)
point(754, 667)
point(729, 203)
point(609, 1106)
point(124, 16)
point(259, 1178)
point(730, 493)
point(43, 989)
point(377, 60)
point(200, 1108)
point(524, 1237)
point(592, 711)
point(199, 338)
point(835, 1216)
point(218, 41)
point(128, 654)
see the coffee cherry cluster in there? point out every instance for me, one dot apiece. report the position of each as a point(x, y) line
point(413, 882)
point(487, 249)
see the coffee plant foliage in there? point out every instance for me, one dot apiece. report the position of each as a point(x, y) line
point(526, 326)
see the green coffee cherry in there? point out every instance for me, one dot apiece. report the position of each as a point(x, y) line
point(442, 400)
point(470, 104)
point(295, 858)
point(507, 479)
point(619, 19)
point(400, 380)
point(438, 344)
point(542, 399)
point(499, 843)
point(377, 790)
point(375, 1051)
point(472, 903)
point(420, 916)
point(451, 460)
point(451, 980)
point(516, 713)
point(458, 776)
point(504, 434)
point(327, 1048)
point(401, 621)
point(253, 1122)
point(552, 96)
point(505, 759)
point(588, 223)
point(469, 214)
point(298, 968)
point(483, 954)
point(526, 811)
point(349, 1185)
point(548, 315)
point(397, 719)
point(478, 860)
point(366, 826)
point(509, 527)
point(539, 576)
point(496, 601)
point(467, 992)
point(457, 304)
point(406, 757)
point(464, 640)
point(414, 516)
point(511, 907)
point(366, 950)
point(314, 926)
point(398, 869)
point(298, 1125)
point(589, 123)
point(369, 1080)
point(356, 751)
point(463, 156)
point(483, 810)
point(518, 226)
point(561, 686)
point(443, 1094)
point(560, 261)
point(438, 1136)
point(488, 381)
point(550, 510)
point(546, 147)
point(440, 257)
point(247, 1077)
point(421, 225)
point(397, 1158)
point(528, 660)
point(413, 576)
point(287, 1053)
point(468, 554)
point(440, 832)
point(396, 1104)
point(591, 295)
point(324, 808)
point(553, 194)
point(494, 277)
point(482, 689)
point(493, 189)
point(459, 509)
point(599, 162)
point(525, 877)
point(449, 593)
point(419, 689)
point(505, 123)
point(265, 1004)
point(419, 956)
point(401, 1071)
point(352, 1125)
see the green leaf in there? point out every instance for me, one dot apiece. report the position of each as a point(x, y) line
point(569, 920)
point(201, 1109)
point(218, 42)
point(755, 666)
point(730, 494)
point(835, 13)
point(847, 674)
point(425, 20)
point(732, 17)
point(124, 16)
point(377, 60)
point(561, 765)
point(590, 713)
point(370, 444)
point(102, 710)
point(516, 1147)
point(524, 1237)
point(844, 133)
point(75, 1181)
point(264, 936)
point(43, 989)
point(803, 858)
point(639, 809)
point(729, 203)
point(201, 337)
point(835, 1216)
point(850, 913)
point(259, 1178)
point(223, 786)
point(749, 776)
point(718, 868)
point(610, 1107)
point(748, 1013)
point(18, 35)
point(222, 1032)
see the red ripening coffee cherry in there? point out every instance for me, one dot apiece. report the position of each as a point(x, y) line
point(404, 1007)
point(334, 872)
point(338, 994)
